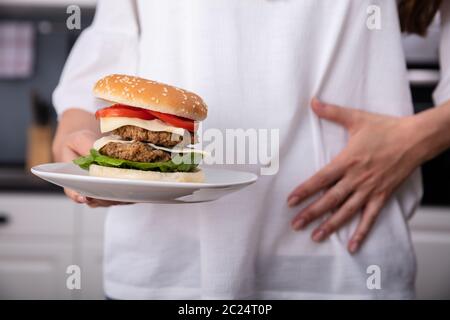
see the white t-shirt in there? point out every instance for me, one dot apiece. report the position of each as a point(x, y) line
point(257, 64)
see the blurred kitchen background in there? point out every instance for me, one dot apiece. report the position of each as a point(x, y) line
point(42, 233)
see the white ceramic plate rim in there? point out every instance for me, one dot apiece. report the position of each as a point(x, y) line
point(188, 185)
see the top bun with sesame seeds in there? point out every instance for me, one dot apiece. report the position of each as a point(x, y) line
point(151, 95)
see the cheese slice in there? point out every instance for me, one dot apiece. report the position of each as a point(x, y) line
point(100, 143)
point(108, 124)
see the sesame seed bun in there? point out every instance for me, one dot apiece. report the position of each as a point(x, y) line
point(151, 95)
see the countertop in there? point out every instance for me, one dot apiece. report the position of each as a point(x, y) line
point(19, 179)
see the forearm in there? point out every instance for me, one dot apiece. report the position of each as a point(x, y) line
point(72, 121)
point(431, 131)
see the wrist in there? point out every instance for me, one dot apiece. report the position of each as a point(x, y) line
point(426, 133)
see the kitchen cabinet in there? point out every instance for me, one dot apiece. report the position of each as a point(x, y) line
point(36, 235)
point(34, 270)
point(42, 234)
point(430, 229)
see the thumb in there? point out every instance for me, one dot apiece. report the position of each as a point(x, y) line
point(341, 115)
point(81, 142)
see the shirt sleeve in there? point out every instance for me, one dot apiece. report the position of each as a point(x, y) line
point(442, 92)
point(109, 45)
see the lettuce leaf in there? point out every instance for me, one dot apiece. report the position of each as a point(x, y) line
point(167, 166)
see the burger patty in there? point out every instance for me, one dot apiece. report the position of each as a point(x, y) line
point(134, 151)
point(160, 138)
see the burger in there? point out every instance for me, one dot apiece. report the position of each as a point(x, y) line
point(149, 131)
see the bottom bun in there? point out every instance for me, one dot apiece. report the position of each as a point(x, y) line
point(110, 172)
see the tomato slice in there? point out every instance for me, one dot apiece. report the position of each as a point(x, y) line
point(121, 110)
point(176, 121)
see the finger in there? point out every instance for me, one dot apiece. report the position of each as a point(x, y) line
point(75, 196)
point(67, 154)
point(322, 179)
point(94, 203)
point(338, 219)
point(97, 204)
point(82, 142)
point(341, 115)
point(368, 218)
point(330, 200)
point(107, 202)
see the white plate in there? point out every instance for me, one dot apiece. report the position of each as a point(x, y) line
point(218, 184)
